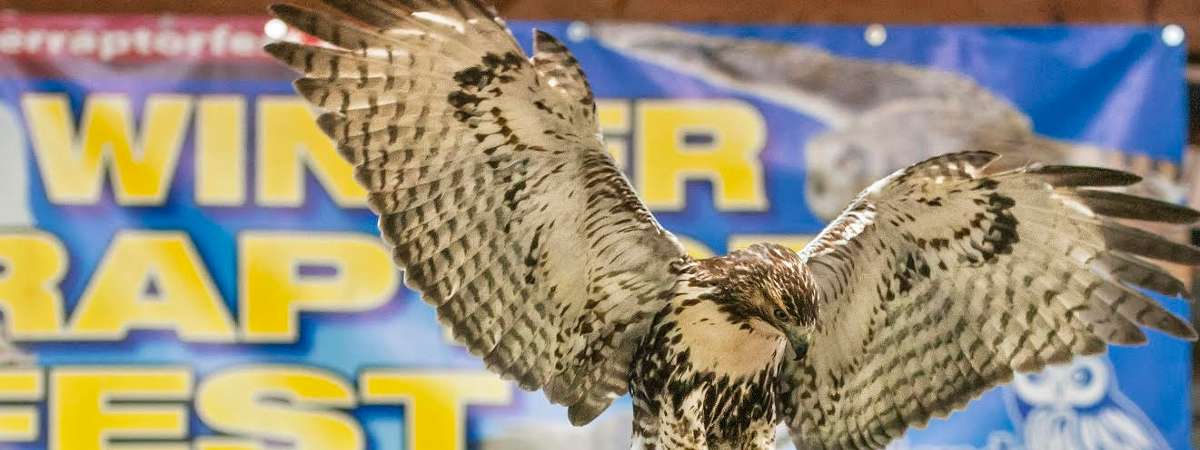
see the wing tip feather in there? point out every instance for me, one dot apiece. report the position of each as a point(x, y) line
point(1187, 334)
point(544, 41)
point(282, 51)
point(1173, 325)
point(584, 412)
point(1080, 176)
point(1125, 206)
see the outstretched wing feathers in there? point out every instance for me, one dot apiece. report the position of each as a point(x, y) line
point(945, 278)
point(1125, 206)
point(1074, 176)
point(492, 187)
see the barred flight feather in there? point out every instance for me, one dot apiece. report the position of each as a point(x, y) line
point(499, 201)
point(978, 274)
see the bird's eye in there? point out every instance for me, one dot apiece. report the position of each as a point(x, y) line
point(1082, 376)
point(779, 314)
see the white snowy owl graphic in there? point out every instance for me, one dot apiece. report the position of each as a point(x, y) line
point(1078, 406)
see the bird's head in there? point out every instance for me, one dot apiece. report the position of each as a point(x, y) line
point(772, 284)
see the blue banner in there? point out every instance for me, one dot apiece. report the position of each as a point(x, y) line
point(188, 263)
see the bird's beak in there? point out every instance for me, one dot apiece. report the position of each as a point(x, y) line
point(798, 341)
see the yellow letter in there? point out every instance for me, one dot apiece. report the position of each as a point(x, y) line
point(221, 150)
point(793, 241)
point(19, 423)
point(288, 136)
point(83, 418)
point(148, 446)
point(245, 402)
point(274, 289)
point(613, 117)
point(152, 280)
point(34, 263)
point(728, 135)
point(225, 443)
point(435, 402)
point(141, 175)
point(694, 248)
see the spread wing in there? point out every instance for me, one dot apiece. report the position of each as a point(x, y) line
point(492, 187)
point(943, 279)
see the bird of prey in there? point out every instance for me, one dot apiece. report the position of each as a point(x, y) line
point(881, 116)
point(500, 203)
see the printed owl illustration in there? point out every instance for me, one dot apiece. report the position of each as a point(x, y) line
point(1073, 406)
point(1079, 407)
point(499, 201)
point(880, 116)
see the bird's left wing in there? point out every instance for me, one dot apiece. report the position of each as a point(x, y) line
point(944, 279)
point(492, 187)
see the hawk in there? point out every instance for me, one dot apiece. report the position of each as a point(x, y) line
point(496, 195)
point(881, 116)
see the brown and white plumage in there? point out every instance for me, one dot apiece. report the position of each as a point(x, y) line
point(942, 280)
point(492, 187)
point(506, 213)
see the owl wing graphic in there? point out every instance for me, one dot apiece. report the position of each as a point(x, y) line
point(834, 89)
point(492, 187)
point(944, 279)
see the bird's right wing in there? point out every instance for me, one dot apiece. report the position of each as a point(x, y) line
point(945, 278)
point(492, 186)
point(834, 89)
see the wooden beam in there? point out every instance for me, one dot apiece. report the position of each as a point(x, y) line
point(1185, 13)
point(1023, 12)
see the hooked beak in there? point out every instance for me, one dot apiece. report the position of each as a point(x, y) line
point(798, 342)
